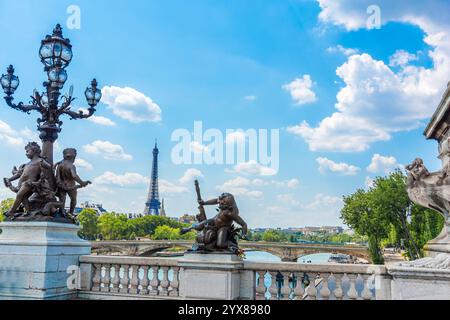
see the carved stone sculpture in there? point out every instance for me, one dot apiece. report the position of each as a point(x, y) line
point(432, 190)
point(40, 194)
point(218, 233)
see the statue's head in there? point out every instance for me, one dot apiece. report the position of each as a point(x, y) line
point(32, 149)
point(70, 154)
point(226, 200)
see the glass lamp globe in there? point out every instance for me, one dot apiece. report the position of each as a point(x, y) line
point(93, 95)
point(55, 49)
point(9, 81)
point(57, 77)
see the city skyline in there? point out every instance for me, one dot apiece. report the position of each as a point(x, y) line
point(350, 103)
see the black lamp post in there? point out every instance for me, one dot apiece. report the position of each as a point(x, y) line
point(56, 55)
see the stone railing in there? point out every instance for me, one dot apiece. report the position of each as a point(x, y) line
point(133, 278)
point(109, 277)
point(294, 281)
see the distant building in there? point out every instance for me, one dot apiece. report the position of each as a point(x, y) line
point(189, 219)
point(98, 208)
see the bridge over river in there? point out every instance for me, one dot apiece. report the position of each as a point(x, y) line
point(288, 252)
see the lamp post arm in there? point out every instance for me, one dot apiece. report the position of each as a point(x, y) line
point(22, 107)
point(80, 114)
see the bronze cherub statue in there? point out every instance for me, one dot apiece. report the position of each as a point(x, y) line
point(218, 233)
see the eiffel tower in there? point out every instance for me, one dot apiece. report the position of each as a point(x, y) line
point(153, 205)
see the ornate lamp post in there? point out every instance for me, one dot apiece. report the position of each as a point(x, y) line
point(42, 190)
point(56, 55)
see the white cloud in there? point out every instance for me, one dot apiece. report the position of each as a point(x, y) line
point(250, 98)
point(130, 104)
point(254, 168)
point(79, 162)
point(289, 199)
point(100, 120)
point(376, 101)
point(103, 121)
point(108, 150)
point(13, 138)
point(341, 49)
point(301, 90)
point(322, 201)
point(240, 187)
point(190, 175)
point(127, 179)
point(369, 182)
point(290, 184)
point(168, 188)
point(401, 58)
point(342, 168)
point(381, 164)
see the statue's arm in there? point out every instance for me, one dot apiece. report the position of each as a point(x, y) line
point(18, 174)
point(77, 178)
point(211, 202)
point(242, 223)
point(75, 175)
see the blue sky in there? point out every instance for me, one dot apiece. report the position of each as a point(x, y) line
point(350, 102)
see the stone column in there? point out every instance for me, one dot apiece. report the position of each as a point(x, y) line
point(35, 258)
point(210, 276)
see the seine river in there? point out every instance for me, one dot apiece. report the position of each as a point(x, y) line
point(260, 256)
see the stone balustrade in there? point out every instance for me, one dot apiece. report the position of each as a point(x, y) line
point(108, 277)
point(118, 277)
point(294, 281)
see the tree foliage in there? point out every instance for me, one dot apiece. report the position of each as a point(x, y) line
point(88, 220)
point(387, 217)
point(5, 205)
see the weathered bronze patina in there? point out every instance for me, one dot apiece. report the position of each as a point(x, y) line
point(220, 233)
point(42, 188)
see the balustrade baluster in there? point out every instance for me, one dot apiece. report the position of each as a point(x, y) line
point(352, 293)
point(115, 282)
point(106, 279)
point(174, 284)
point(96, 278)
point(155, 281)
point(261, 286)
point(299, 291)
point(325, 290)
point(134, 282)
point(165, 282)
point(125, 279)
point(273, 289)
point(144, 281)
point(366, 294)
point(286, 289)
point(338, 293)
point(311, 290)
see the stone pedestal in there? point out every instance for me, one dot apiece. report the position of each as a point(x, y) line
point(420, 283)
point(210, 276)
point(441, 244)
point(35, 258)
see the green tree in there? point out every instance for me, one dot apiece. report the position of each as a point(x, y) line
point(89, 224)
point(166, 233)
point(386, 216)
point(274, 236)
point(113, 226)
point(362, 216)
point(5, 205)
